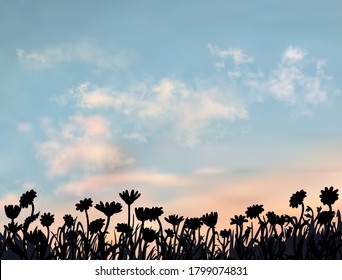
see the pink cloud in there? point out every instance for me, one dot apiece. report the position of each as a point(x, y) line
point(83, 143)
point(95, 183)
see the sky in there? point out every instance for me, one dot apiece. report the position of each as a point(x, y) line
point(199, 105)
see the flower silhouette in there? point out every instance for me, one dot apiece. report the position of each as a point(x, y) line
point(281, 220)
point(68, 220)
point(254, 211)
point(149, 235)
point(154, 213)
point(325, 217)
point(122, 227)
point(225, 233)
point(96, 225)
point(169, 233)
point(12, 211)
point(27, 198)
point(329, 196)
point(297, 198)
point(193, 223)
point(129, 198)
point(141, 214)
point(238, 220)
point(109, 209)
point(174, 219)
point(272, 218)
point(315, 235)
point(84, 204)
point(47, 219)
point(210, 220)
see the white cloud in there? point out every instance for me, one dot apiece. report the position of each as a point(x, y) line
point(256, 84)
point(293, 55)
point(84, 143)
point(169, 103)
point(24, 127)
point(135, 135)
point(219, 66)
point(282, 83)
point(290, 82)
point(82, 51)
point(236, 54)
point(234, 74)
point(167, 88)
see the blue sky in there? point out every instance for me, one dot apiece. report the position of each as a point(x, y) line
point(200, 105)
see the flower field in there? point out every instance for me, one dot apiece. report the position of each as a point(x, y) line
point(313, 234)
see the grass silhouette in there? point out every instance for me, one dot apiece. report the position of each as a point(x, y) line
point(314, 235)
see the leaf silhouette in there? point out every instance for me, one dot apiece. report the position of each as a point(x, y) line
point(29, 220)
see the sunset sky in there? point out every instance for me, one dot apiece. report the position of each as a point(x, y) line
point(200, 105)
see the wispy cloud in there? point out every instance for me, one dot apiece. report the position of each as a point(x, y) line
point(293, 55)
point(171, 103)
point(101, 182)
point(236, 54)
point(208, 171)
point(136, 136)
point(292, 83)
point(24, 127)
point(83, 143)
point(81, 51)
point(186, 112)
point(238, 57)
point(298, 80)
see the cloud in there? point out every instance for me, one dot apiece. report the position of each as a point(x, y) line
point(24, 127)
point(100, 183)
point(219, 66)
point(290, 83)
point(298, 80)
point(81, 51)
point(189, 113)
point(186, 111)
point(167, 88)
point(236, 54)
point(83, 143)
point(135, 135)
point(210, 171)
point(234, 74)
point(293, 55)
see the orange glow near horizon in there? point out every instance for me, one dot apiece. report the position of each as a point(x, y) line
point(228, 200)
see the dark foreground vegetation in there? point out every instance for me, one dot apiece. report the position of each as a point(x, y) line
point(254, 235)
